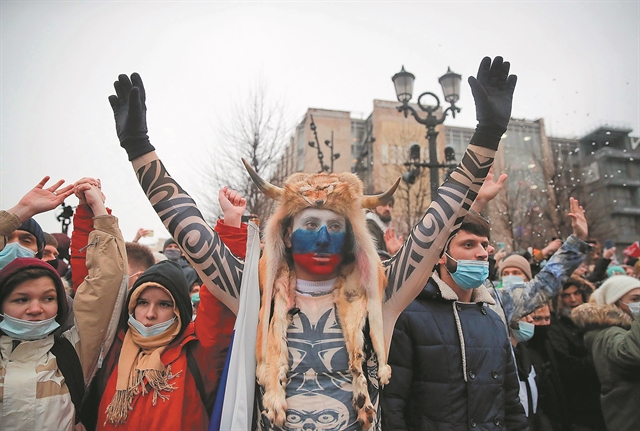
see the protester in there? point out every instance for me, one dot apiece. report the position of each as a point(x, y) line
point(449, 338)
point(383, 232)
point(139, 259)
point(307, 278)
point(612, 324)
point(578, 380)
point(44, 376)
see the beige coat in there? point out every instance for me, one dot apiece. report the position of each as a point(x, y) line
point(33, 394)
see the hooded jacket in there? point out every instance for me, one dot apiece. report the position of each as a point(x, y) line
point(452, 366)
point(33, 393)
point(613, 339)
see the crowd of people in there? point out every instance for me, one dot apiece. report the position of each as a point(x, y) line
point(339, 323)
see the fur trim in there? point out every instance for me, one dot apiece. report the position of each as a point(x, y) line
point(480, 294)
point(358, 291)
point(592, 316)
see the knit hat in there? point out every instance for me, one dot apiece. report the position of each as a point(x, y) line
point(615, 269)
point(168, 242)
point(64, 242)
point(32, 226)
point(170, 276)
point(516, 261)
point(614, 288)
point(20, 264)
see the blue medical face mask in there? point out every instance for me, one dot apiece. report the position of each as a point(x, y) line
point(524, 332)
point(26, 330)
point(12, 251)
point(151, 330)
point(469, 273)
point(511, 280)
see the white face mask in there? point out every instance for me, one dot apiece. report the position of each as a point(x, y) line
point(12, 251)
point(26, 330)
point(511, 280)
point(634, 307)
point(151, 330)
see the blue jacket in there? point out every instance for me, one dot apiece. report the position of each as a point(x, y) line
point(452, 366)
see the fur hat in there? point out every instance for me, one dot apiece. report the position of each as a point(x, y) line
point(358, 290)
point(614, 288)
point(516, 261)
point(32, 226)
point(170, 276)
point(10, 274)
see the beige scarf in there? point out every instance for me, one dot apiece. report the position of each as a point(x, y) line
point(139, 360)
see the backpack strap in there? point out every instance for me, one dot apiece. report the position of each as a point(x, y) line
point(207, 399)
point(70, 367)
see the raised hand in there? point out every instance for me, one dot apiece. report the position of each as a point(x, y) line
point(578, 220)
point(233, 205)
point(142, 232)
point(488, 191)
point(90, 193)
point(493, 93)
point(130, 112)
point(40, 199)
point(80, 194)
point(392, 241)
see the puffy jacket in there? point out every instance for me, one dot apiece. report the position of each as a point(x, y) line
point(613, 340)
point(452, 366)
point(33, 393)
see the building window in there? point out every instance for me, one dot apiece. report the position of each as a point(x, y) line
point(628, 226)
point(620, 195)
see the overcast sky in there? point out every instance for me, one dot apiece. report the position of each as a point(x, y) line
point(577, 64)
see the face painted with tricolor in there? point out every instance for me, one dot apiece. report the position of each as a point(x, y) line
point(316, 241)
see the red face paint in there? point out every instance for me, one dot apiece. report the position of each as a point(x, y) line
point(317, 263)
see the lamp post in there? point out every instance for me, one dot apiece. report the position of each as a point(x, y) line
point(328, 143)
point(450, 82)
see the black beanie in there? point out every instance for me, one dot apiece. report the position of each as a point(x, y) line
point(32, 226)
point(170, 276)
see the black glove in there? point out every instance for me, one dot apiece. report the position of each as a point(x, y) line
point(493, 95)
point(130, 113)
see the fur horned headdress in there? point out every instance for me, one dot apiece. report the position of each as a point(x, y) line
point(358, 290)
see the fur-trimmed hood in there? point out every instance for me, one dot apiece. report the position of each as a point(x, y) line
point(592, 316)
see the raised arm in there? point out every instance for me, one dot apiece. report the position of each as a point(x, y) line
point(99, 298)
point(220, 270)
point(409, 270)
point(521, 299)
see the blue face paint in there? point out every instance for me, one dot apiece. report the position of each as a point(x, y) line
point(305, 241)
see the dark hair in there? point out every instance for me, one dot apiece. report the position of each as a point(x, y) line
point(139, 256)
point(476, 224)
point(35, 273)
point(585, 288)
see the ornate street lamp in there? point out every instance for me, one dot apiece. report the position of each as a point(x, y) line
point(450, 82)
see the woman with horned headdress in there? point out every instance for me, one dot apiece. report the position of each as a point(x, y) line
point(328, 305)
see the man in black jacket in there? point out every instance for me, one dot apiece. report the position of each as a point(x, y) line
point(450, 356)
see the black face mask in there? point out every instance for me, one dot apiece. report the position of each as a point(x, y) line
point(53, 263)
point(539, 336)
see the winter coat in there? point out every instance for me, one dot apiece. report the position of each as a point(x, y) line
point(209, 336)
point(452, 366)
point(579, 382)
point(613, 339)
point(33, 393)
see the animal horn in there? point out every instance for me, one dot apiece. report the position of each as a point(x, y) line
point(375, 200)
point(267, 188)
